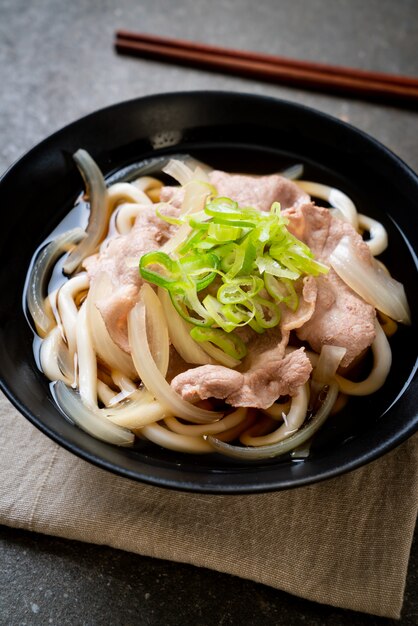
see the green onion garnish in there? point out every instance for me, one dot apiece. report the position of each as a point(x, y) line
point(246, 261)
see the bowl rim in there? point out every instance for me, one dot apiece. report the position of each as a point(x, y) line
point(203, 486)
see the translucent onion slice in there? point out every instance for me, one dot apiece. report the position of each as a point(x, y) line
point(179, 443)
point(136, 414)
point(39, 276)
point(335, 197)
point(178, 170)
point(179, 333)
point(55, 359)
point(105, 393)
point(88, 419)
point(105, 347)
point(325, 369)
point(67, 308)
point(152, 378)
point(157, 330)
point(370, 282)
point(378, 241)
point(293, 172)
point(328, 363)
point(99, 214)
point(193, 430)
point(382, 361)
point(196, 193)
point(292, 421)
point(219, 355)
point(282, 447)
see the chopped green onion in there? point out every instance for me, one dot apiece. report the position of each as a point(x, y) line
point(230, 343)
point(246, 258)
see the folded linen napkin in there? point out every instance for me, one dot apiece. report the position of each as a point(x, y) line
point(343, 542)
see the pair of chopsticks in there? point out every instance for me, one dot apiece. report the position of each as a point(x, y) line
point(306, 74)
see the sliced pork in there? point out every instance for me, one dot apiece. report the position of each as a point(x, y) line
point(119, 261)
point(340, 317)
point(266, 375)
point(255, 191)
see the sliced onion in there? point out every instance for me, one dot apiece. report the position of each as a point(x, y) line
point(152, 377)
point(136, 414)
point(292, 442)
point(105, 393)
point(55, 359)
point(370, 282)
point(293, 172)
point(196, 193)
point(293, 421)
point(67, 308)
point(179, 333)
point(88, 419)
point(335, 197)
point(277, 409)
point(99, 213)
point(157, 331)
point(382, 361)
point(325, 369)
point(328, 362)
point(39, 276)
point(378, 241)
point(178, 170)
point(104, 345)
point(179, 443)
point(219, 355)
point(194, 430)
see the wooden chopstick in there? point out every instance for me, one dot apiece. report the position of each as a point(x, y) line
point(384, 87)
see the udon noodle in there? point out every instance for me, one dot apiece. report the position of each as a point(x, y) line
point(119, 393)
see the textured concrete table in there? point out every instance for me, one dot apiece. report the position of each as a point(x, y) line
point(56, 64)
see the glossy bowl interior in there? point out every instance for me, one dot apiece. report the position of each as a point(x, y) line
point(236, 132)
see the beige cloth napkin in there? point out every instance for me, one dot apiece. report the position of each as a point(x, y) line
point(343, 542)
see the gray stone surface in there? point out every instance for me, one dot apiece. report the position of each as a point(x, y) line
point(57, 63)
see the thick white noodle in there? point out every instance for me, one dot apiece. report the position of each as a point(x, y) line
point(382, 360)
point(146, 183)
point(126, 216)
point(125, 192)
point(292, 421)
point(104, 346)
point(67, 308)
point(87, 365)
point(335, 197)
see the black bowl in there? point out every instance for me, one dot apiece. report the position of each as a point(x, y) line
point(235, 132)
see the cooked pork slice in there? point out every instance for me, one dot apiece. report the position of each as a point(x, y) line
point(341, 317)
point(256, 191)
point(119, 261)
point(267, 374)
point(307, 291)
